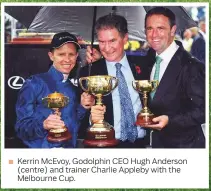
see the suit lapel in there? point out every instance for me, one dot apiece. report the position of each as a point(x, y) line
point(99, 68)
point(169, 76)
point(133, 68)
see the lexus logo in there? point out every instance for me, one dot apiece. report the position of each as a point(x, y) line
point(15, 82)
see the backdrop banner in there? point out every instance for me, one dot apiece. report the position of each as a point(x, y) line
point(21, 61)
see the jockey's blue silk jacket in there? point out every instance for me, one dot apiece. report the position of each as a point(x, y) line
point(31, 112)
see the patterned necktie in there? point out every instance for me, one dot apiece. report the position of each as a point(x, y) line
point(157, 72)
point(128, 127)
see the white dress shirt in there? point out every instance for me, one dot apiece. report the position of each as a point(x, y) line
point(166, 57)
point(65, 78)
point(126, 70)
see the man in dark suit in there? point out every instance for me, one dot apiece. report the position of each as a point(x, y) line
point(179, 101)
point(112, 35)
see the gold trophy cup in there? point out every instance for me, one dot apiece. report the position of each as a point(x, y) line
point(144, 87)
point(100, 134)
point(56, 101)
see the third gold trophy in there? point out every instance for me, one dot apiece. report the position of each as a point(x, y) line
point(100, 134)
point(145, 87)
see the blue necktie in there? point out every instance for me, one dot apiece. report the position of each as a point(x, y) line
point(157, 72)
point(128, 127)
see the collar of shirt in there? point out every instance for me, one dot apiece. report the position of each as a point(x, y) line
point(56, 75)
point(60, 76)
point(169, 52)
point(166, 57)
point(65, 77)
point(123, 61)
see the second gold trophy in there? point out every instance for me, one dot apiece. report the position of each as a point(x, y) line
point(100, 134)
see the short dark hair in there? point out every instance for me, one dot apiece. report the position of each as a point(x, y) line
point(112, 21)
point(162, 11)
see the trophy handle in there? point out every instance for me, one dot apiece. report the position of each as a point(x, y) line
point(155, 82)
point(66, 100)
point(133, 84)
point(80, 82)
point(45, 101)
point(116, 84)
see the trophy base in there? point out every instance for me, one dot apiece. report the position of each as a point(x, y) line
point(59, 137)
point(143, 120)
point(101, 143)
point(100, 135)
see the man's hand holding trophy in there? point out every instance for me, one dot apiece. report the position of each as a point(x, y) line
point(145, 117)
point(56, 101)
point(101, 133)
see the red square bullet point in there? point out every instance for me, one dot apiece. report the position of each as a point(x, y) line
point(10, 161)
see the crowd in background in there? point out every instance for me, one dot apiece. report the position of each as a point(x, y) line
point(194, 40)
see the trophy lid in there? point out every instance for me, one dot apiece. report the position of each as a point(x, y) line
point(56, 95)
